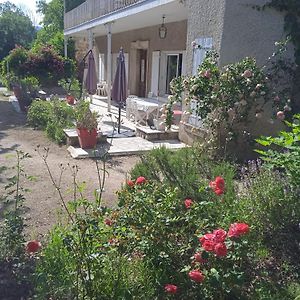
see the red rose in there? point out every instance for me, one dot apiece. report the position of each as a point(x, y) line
point(209, 245)
point(196, 276)
point(218, 192)
point(238, 229)
point(130, 183)
point(198, 258)
point(171, 288)
point(207, 237)
point(108, 222)
point(188, 203)
point(33, 246)
point(220, 183)
point(220, 249)
point(140, 180)
point(220, 235)
point(212, 185)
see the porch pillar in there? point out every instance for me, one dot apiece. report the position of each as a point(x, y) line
point(108, 66)
point(90, 39)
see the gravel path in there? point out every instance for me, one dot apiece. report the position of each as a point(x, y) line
point(42, 203)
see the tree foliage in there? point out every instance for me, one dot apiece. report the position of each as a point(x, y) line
point(15, 28)
point(53, 25)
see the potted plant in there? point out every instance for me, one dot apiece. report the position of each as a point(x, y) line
point(86, 124)
point(72, 88)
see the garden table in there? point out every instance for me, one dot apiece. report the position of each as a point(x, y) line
point(141, 108)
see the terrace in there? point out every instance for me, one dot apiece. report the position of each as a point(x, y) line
point(92, 9)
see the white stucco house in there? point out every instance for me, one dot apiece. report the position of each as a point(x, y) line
point(154, 55)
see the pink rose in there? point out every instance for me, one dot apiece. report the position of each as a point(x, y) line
point(171, 288)
point(247, 74)
point(207, 74)
point(280, 115)
point(196, 276)
point(108, 222)
point(188, 203)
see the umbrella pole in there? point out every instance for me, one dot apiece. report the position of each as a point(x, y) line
point(119, 119)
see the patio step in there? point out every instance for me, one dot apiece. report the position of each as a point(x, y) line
point(156, 135)
point(72, 137)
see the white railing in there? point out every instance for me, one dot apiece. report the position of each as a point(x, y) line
point(92, 9)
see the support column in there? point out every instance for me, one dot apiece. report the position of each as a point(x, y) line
point(90, 39)
point(108, 66)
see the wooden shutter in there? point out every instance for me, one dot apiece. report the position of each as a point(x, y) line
point(155, 73)
point(200, 52)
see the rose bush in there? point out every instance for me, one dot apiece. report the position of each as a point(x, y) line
point(231, 100)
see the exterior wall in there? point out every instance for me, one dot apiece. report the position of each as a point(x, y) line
point(175, 40)
point(249, 32)
point(81, 46)
point(205, 19)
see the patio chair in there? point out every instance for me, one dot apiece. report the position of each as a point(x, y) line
point(102, 89)
point(140, 116)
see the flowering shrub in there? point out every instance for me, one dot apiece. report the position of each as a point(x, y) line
point(161, 243)
point(43, 63)
point(231, 100)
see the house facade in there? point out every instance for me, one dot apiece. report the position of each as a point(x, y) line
point(157, 37)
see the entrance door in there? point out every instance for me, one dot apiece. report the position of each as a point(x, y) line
point(142, 54)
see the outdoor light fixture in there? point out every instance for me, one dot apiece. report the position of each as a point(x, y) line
point(162, 31)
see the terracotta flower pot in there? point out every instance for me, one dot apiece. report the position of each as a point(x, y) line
point(18, 92)
point(87, 138)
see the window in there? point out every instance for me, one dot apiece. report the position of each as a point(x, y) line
point(174, 69)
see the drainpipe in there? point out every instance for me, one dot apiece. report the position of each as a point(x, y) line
point(108, 66)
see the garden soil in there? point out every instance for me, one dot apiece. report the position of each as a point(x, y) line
point(42, 207)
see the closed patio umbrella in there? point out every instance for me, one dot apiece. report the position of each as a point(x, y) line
point(119, 90)
point(91, 78)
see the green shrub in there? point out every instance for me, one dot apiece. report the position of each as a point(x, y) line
point(151, 238)
point(284, 151)
point(185, 169)
point(53, 117)
point(39, 114)
point(62, 118)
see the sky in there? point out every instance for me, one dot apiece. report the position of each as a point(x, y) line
point(29, 7)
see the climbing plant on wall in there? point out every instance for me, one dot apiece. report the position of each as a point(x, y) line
point(291, 9)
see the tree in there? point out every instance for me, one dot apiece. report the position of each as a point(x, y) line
point(15, 28)
point(53, 25)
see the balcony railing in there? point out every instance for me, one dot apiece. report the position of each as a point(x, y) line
point(92, 9)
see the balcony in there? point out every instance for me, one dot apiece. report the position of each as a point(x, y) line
point(92, 9)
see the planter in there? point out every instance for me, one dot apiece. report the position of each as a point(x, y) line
point(87, 138)
point(20, 97)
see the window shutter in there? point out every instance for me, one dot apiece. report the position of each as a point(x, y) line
point(155, 72)
point(200, 52)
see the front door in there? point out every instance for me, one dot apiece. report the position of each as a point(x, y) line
point(142, 56)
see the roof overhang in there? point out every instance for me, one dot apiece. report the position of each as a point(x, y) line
point(139, 15)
